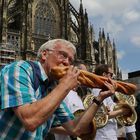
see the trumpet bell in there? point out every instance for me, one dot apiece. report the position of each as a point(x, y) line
point(88, 100)
point(92, 134)
point(101, 116)
point(126, 120)
point(126, 98)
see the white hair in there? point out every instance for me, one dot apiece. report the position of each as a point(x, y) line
point(51, 45)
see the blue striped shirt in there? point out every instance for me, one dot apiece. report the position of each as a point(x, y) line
point(17, 89)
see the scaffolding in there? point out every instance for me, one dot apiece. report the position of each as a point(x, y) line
point(7, 54)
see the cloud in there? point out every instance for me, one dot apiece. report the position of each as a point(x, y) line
point(113, 14)
point(109, 8)
point(121, 20)
point(111, 24)
point(136, 40)
point(120, 54)
point(131, 16)
point(92, 6)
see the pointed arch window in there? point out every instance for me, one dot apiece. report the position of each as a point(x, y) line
point(45, 22)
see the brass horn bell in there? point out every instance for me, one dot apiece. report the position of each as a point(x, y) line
point(101, 117)
point(128, 102)
point(92, 134)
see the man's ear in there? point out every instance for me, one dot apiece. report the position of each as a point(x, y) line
point(44, 54)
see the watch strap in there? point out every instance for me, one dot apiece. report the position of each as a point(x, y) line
point(95, 100)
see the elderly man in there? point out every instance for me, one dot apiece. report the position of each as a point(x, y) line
point(28, 113)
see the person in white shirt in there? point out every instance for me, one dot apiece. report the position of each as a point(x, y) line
point(110, 130)
point(127, 132)
point(130, 132)
point(74, 103)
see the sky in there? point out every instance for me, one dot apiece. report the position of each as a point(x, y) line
point(121, 19)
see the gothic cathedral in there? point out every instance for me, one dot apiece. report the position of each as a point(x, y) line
point(27, 24)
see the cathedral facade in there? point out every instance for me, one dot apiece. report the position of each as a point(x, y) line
point(27, 24)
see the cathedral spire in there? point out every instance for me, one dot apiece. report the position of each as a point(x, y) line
point(103, 34)
point(81, 7)
point(86, 16)
point(114, 45)
point(108, 36)
point(99, 32)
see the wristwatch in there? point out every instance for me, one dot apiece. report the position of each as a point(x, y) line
point(96, 101)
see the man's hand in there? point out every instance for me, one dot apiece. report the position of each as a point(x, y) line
point(70, 79)
point(111, 85)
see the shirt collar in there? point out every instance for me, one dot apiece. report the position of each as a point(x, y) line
point(43, 74)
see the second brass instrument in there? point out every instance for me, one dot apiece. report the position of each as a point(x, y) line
point(130, 99)
point(129, 102)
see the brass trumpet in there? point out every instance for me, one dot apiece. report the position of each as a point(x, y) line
point(101, 117)
point(129, 102)
point(92, 134)
point(130, 99)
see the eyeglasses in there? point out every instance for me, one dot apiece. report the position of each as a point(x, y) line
point(63, 55)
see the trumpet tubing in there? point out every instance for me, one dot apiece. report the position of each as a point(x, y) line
point(101, 116)
point(126, 120)
point(88, 100)
point(130, 99)
point(92, 134)
point(127, 101)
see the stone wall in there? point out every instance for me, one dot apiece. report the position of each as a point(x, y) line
point(134, 77)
